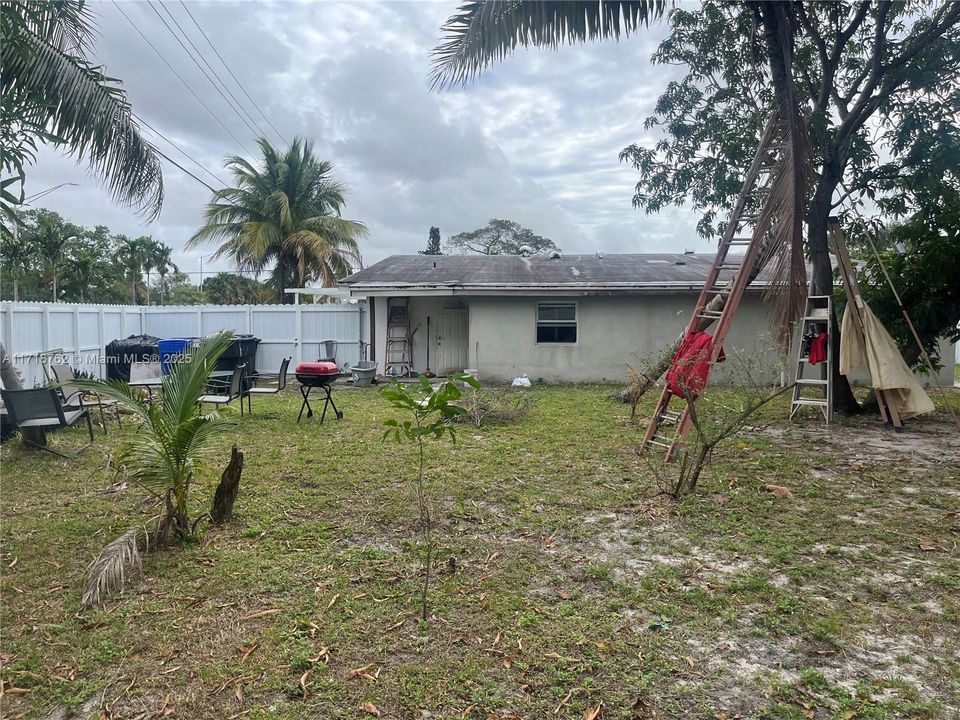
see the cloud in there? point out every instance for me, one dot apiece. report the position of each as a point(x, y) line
point(534, 139)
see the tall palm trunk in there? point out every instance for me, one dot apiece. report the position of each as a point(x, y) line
point(16, 289)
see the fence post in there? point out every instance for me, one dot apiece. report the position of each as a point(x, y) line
point(76, 333)
point(249, 309)
point(298, 340)
point(101, 343)
point(8, 331)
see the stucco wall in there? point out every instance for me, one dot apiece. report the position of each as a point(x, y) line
point(611, 331)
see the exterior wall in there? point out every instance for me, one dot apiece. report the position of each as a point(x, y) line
point(611, 331)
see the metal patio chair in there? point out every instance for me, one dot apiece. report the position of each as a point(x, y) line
point(41, 409)
point(280, 378)
point(74, 396)
point(227, 390)
point(147, 375)
point(328, 351)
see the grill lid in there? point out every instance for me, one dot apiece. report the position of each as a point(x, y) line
point(317, 368)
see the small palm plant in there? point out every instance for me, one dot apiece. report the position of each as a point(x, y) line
point(163, 457)
point(432, 412)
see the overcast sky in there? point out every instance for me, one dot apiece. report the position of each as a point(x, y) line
point(535, 139)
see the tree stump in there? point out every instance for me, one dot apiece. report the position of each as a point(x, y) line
point(222, 508)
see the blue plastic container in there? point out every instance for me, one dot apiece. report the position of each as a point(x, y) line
point(171, 348)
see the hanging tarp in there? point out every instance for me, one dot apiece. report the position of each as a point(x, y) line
point(888, 372)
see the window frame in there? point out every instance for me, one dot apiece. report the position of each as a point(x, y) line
point(575, 323)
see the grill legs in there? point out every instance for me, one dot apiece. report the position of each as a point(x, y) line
point(305, 391)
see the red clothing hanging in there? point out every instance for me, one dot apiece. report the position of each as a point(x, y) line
point(818, 349)
point(691, 365)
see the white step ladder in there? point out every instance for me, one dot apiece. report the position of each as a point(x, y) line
point(816, 320)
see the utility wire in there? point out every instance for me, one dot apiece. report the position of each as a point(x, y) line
point(176, 164)
point(235, 79)
point(256, 131)
point(236, 102)
point(179, 149)
point(179, 77)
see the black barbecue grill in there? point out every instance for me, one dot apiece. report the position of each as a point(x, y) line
point(317, 375)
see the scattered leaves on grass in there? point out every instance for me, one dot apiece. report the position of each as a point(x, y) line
point(304, 682)
point(261, 613)
point(361, 672)
point(593, 713)
point(929, 546)
point(370, 708)
point(780, 491)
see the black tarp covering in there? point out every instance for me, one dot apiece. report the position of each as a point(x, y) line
point(120, 353)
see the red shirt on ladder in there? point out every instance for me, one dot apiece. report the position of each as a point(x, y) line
point(691, 365)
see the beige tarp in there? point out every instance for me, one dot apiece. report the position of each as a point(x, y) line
point(888, 371)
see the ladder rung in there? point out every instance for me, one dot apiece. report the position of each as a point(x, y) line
point(654, 442)
point(740, 241)
point(806, 401)
point(816, 317)
point(811, 381)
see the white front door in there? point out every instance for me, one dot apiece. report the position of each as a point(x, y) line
point(452, 342)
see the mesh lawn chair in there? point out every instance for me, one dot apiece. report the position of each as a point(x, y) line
point(74, 396)
point(227, 390)
point(41, 409)
point(328, 351)
point(279, 378)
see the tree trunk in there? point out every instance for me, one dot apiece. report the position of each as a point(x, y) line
point(148, 288)
point(843, 400)
point(16, 289)
point(222, 508)
point(54, 285)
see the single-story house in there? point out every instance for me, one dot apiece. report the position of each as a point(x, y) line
point(568, 318)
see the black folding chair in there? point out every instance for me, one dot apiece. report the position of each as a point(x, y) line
point(279, 378)
point(225, 391)
point(41, 409)
point(73, 396)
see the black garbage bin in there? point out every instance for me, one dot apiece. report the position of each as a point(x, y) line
point(119, 354)
point(243, 350)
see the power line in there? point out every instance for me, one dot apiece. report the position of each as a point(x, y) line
point(179, 149)
point(235, 79)
point(255, 130)
point(179, 77)
point(236, 101)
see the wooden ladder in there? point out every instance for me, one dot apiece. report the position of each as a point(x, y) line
point(816, 316)
point(725, 283)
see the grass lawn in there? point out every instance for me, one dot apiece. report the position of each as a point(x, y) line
point(565, 582)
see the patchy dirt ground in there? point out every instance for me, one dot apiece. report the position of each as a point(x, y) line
point(565, 582)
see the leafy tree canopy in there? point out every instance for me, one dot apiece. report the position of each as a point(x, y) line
point(877, 79)
point(500, 237)
point(229, 289)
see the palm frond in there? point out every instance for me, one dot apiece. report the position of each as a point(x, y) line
point(108, 574)
point(88, 111)
point(486, 31)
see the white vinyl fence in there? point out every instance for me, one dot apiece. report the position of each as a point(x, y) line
point(27, 330)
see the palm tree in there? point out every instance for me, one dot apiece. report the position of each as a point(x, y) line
point(485, 31)
point(131, 253)
point(174, 436)
point(52, 240)
point(285, 213)
point(83, 267)
point(150, 249)
point(51, 93)
point(164, 263)
point(17, 255)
